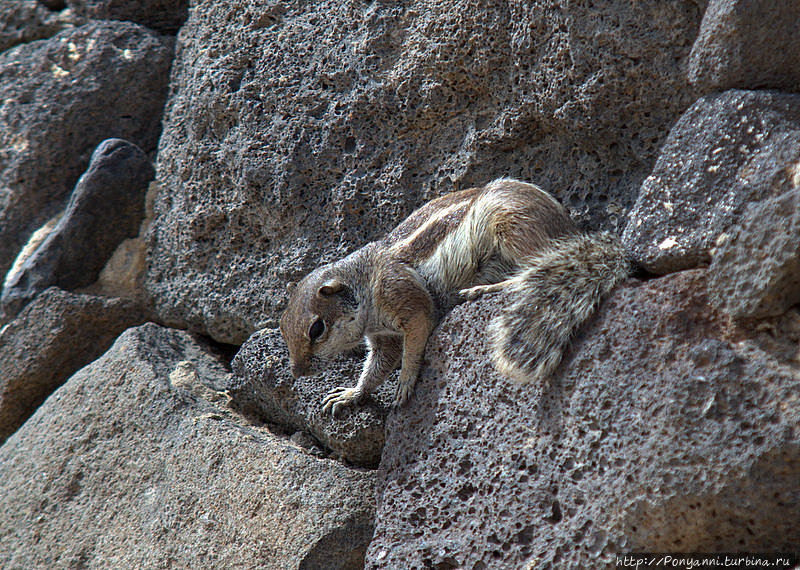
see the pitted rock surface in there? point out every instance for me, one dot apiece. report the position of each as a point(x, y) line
point(727, 151)
point(105, 208)
point(262, 387)
point(756, 273)
point(298, 132)
point(61, 98)
point(747, 45)
point(125, 466)
point(656, 434)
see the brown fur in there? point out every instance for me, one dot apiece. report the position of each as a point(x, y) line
point(393, 291)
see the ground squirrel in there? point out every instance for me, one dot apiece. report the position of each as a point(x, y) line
point(392, 292)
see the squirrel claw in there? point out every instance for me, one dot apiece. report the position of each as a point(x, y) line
point(338, 398)
point(472, 293)
point(401, 396)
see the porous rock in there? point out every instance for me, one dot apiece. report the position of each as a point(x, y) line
point(263, 387)
point(23, 21)
point(164, 16)
point(122, 468)
point(297, 132)
point(756, 273)
point(655, 435)
point(56, 334)
point(726, 151)
point(61, 97)
point(747, 45)
point(106, 207)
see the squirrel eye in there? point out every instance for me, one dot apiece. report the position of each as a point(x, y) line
point(316, 330)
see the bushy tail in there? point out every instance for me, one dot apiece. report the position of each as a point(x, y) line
point(553, 296)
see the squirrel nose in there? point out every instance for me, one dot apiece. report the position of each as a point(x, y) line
point(298, 369)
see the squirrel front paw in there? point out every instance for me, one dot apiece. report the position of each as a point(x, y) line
point(338, 398)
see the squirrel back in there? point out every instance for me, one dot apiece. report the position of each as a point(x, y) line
point(477, 236)
point(391, 293)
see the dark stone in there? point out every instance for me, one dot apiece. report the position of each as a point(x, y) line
point(727, 151)
point(744, 44)
point(56, 334)
point(54, 5)
point(106, 207)
point(262, 387)
point(164, 16)
point(63, 96)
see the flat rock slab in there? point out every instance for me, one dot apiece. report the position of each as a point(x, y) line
point(298, 132)
point(61, 97)
point(747, 45)
point(756, 273)
point(125, 466)
point(656, 434)
point(727, 151)
point(51, 339)
point(263, 387)
point(105, 208)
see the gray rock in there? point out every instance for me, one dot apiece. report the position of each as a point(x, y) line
point(756, 272)
point(298, 132)
point(747, 45)
point(262, 387)
point(165, 16)
point(726, 151)
point(106, 207)
point(122, 468)
point(61, 98)
point(655, 435)
point(23, 21)
point(51, 339)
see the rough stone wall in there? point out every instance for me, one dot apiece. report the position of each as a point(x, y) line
point(297, 132)
point(292, 133)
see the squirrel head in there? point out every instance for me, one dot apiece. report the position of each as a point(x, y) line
point(321, 319)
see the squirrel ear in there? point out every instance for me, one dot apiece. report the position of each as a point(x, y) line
point(330, 287)
point(290, 286)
